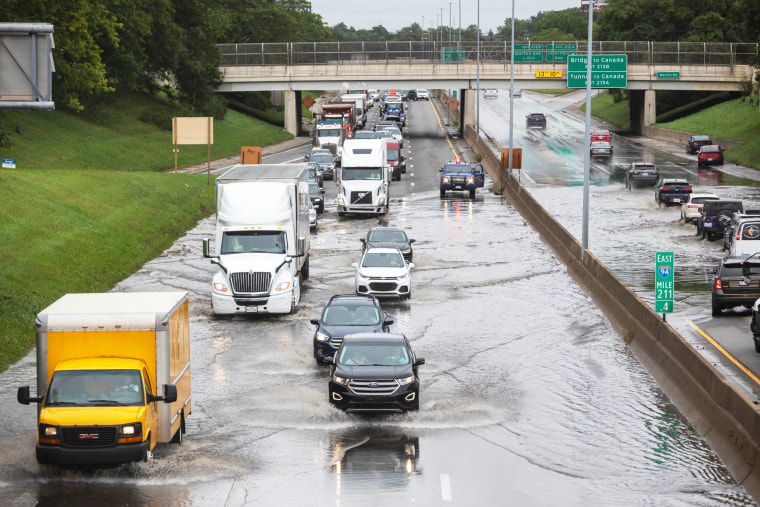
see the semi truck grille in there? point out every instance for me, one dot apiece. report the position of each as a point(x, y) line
point(383, 286)
point(250, 283)
point(373, 387)
point(361, 197)
point(89, 436)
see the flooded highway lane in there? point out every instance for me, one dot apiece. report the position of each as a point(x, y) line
point(528, 396)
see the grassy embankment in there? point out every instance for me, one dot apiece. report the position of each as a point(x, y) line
point(89, 203)
point(732, 120)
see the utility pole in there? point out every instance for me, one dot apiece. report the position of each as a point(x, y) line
point(450, 23)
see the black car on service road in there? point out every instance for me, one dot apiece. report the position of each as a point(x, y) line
point(736, 282)
point(535, 120)
point(389, 237)
point(375, 372)
point(696, 142)
point(671, 191)
point(346, 314)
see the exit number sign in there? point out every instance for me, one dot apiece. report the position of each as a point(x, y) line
point(663, 282)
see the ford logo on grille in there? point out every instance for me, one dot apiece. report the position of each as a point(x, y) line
point(373, 384)
point(88, 436)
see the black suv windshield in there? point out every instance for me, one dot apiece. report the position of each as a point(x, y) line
point(373, 355)
point(351, 315)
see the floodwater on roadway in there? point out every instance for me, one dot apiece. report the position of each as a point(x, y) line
point(528, 396)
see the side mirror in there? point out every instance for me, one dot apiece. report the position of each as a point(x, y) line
point(170, 393)
point(315, 321)
point(440, 170)
point(363, 240)
point(24, 398)
point(419, 361)
point(206, 249)
point(328, 360)
point(355, 265)
point(388, 321)
point(412, 241)
point(411, 265)
point(306, 157)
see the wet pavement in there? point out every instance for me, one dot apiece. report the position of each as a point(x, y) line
point(528, 396)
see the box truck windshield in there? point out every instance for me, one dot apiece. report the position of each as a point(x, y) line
point(253, 242)
point(96, 387)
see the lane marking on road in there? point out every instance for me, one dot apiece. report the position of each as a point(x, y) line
point(445, 488)
point(440, 125)
point(724, 352)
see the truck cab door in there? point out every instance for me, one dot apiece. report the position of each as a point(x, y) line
point(151, 416)
point(480, 180)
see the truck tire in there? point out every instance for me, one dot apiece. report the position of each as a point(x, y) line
point(443, 193)
point(472, 194)
point(305, 269)
point(177, 438)
point(757, 345)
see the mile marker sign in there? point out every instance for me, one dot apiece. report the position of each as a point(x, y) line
point(663, 283)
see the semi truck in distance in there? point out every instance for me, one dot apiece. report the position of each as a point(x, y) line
point(262, 239)
point(364, 177)
point(113, 376)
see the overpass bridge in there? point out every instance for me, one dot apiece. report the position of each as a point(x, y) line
point(651, 66)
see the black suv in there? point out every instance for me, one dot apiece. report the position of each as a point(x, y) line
point(671, 191)
point(375, 372)
point(696, 142)
point(346, 314)
point(736, 282)
point(389, 237)
point(716, 216)
point(535, 120)
point(317, 196)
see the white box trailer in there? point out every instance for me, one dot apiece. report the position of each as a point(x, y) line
point(262, 239)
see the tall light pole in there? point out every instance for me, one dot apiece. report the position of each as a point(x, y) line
point(450, 23)
point(460, 26)
point(511, 92)
point(477, 87)
point(587, 137)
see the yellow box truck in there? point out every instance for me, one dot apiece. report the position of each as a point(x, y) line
point(115, 372)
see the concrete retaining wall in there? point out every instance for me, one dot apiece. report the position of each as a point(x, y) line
point(679, 137)
point(723, 415)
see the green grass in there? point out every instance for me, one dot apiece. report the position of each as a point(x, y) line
point(732, 120)
point(604, 107)
point(88, 204)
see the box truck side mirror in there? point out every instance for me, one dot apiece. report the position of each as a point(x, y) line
point(207, 249)
point(24, 398)
point(170, 394)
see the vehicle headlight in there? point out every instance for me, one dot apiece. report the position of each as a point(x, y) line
point(403, 277)
point(340, 201)
point(445, 179)
point(381, 201)
point(50, 431)
point(362, 277)
point(470, 179)
point(129, 430)
point(322, 337)
point(406, 380)
point(340, 380)
point(282, 286)
point(48, 434)
point(220, 287)
point(407, 250)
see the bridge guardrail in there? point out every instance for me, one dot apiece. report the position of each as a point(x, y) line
point(415, 52)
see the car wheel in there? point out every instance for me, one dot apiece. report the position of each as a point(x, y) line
point(341, 214)
point(716, 311)
point(319, 361)
point(757, 345)
point(443, 193)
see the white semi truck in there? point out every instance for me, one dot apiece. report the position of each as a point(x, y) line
point(262, 239)
point(364, 178)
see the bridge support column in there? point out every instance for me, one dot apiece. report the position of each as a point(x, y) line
point(468, 108)
point(643, 109)
point(292, 99)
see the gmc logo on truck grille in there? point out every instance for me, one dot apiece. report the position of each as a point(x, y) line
point(88, 436)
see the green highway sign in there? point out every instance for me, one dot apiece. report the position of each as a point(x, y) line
point(529, 52)
point(453, 55)
point(663, 282)
point(607, 71)
point(668, 75)
point(559, 52)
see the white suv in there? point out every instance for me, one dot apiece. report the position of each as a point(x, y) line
point(691, 209)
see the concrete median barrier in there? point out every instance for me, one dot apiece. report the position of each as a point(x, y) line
point(727, 419)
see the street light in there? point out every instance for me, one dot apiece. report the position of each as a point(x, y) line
point(587, 136)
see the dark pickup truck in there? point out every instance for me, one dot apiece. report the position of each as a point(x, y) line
point(670, 191)
point(535, 120)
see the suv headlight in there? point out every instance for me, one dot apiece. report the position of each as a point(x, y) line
point(322, 337)
point(341, 380)
point(470, 179)
point(403, 277)
point(406, 380)
point(362, 277)
point(445, 179)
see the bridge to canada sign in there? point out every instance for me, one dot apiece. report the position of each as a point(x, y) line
point(607, 71)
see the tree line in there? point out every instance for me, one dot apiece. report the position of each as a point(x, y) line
point(149, 46)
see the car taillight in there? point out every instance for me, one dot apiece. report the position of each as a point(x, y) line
point(693, 206)
point(718, 284)
point(665, 189)
point(738, 235)
point(708, 219)
point(687, 189)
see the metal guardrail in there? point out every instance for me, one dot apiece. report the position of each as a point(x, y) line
point(416, 52)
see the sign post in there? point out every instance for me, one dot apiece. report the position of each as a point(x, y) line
point(663, 283)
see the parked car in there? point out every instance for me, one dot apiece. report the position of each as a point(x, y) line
point(692, 208)
point(347, 314)
point(535, 120)
point(423, 94)
point(375, 372)
point(736, 282)
point(710, 154)
point(670, 191)
point(641, 173)
point(490, 93)
point(716, 216)
point(312, 216)
point(384, 272)
point(317, 197)
point(696, 142)
point(601, 135)
point(315, 175)
point(388, 237)
point(601, 149)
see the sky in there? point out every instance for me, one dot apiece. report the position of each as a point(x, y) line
point(396, 14)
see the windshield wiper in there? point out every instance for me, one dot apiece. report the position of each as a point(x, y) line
point(50, 404)
point(106, 402)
